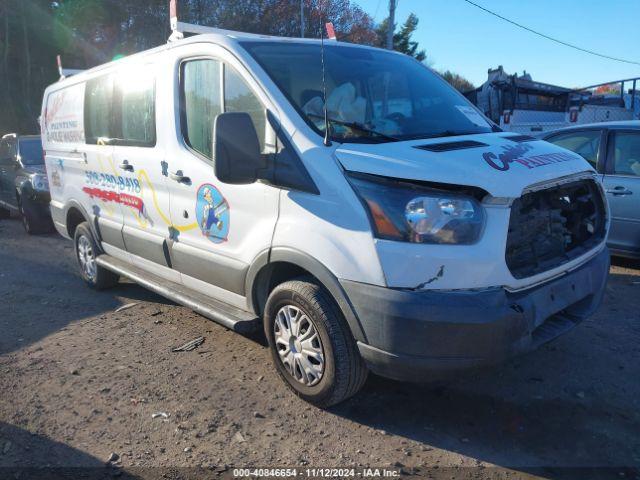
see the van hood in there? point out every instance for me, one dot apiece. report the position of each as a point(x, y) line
point(503, 164)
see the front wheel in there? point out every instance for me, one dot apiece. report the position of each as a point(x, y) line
point(87, 252)
point(311, 345)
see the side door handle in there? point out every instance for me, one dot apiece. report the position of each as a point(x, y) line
point(179, 177)
point(125, 165)
point(619, 191)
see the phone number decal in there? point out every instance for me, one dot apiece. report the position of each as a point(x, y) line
point(115, 182)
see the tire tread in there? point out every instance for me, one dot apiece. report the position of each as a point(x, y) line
point(349, 382)
point(104, 278)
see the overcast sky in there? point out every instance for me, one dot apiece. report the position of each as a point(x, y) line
point(462, 38)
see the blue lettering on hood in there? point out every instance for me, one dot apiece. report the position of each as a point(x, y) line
point(514, 153)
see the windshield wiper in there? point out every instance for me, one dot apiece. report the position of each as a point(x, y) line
point(357, 126)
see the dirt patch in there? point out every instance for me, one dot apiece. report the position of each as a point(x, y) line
point(80, 381)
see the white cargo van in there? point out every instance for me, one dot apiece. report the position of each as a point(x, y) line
point(413, 239)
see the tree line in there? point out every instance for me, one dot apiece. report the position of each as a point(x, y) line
point(87, 33)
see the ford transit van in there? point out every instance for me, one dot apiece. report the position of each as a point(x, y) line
point(359, 210)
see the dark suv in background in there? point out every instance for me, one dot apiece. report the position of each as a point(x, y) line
point(24, 188)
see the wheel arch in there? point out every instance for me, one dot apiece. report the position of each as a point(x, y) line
point(271, 268)
point(74, 215)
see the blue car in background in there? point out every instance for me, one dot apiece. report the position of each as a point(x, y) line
point(613, 148)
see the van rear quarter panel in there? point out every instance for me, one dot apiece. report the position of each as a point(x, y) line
point(79, 174)
point(63, 141)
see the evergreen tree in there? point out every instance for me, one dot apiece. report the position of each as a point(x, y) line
point(458, 81)
point(402, 41)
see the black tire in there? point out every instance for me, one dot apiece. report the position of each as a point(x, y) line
point(4, 213)
point(32, 220)
point(344, 370)
point(98, 277)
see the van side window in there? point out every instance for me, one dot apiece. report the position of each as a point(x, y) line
point(238, 97)
point(201, 103)
point(98, 109)
point(137, 110)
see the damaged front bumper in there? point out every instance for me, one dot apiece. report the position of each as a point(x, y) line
point(423, 335)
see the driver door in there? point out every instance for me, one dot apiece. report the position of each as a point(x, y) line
point(219, 228)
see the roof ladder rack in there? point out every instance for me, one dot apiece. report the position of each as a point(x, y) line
point(178, 29)
point(66, 72)
point(176, 32)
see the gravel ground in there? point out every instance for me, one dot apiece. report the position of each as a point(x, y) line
point(80, 381)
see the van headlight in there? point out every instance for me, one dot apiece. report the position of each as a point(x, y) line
point(413, 213)
point(40, 182)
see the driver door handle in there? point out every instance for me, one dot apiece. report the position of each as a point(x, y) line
point(619, 191)
point(179, 177)
point(125, 165)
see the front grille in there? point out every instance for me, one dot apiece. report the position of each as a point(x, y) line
point(553, 226)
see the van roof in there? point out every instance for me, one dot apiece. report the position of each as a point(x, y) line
point(231, 35)
point(217, 36)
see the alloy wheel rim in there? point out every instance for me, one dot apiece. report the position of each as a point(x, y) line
point(87, 257)
point(299, 345)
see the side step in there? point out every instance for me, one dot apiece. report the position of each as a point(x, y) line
point(226, 315)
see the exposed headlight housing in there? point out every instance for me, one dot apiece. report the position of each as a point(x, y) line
point(40, 182)
point(414, 213)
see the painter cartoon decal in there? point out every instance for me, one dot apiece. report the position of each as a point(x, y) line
point(212, 213)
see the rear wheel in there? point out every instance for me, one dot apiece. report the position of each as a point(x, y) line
point(311, 345)
point(87, 252)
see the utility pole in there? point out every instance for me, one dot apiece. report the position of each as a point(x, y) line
point(302, 18)
point(392, 24)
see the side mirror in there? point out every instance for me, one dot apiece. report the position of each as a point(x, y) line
point(236, 149)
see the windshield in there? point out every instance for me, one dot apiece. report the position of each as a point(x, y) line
point(372, 95)
point(31, 151)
